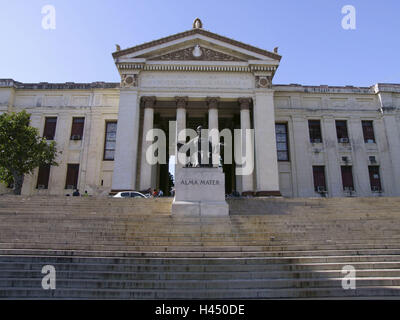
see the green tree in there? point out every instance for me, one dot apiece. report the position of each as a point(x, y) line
point(22, 149)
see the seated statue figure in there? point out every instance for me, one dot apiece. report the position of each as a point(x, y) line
point(203, 155)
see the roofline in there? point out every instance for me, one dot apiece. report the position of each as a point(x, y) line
point(10, 83)
point(387, 87)
point(187, 33)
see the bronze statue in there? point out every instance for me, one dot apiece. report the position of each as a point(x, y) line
point(203, 158)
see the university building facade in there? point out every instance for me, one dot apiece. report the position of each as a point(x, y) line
point(308, 140)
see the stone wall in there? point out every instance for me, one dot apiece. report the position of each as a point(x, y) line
point(294, 104)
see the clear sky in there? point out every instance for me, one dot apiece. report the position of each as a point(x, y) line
point(315, 48)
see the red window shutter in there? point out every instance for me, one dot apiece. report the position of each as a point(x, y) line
point(374, 178)
point(72, 175)
point(368, 130)
point(314, 127)
point(347, 177)
point(341, 129)
point(50, 128)
point(77, 127)
point(43, 177)
point(319, 177)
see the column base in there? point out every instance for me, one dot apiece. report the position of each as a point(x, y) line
point(272, 193)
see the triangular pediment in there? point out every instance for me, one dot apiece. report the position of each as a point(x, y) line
point(196, 45)
point(196, 53)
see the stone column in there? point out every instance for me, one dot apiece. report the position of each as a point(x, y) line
point(383, 153)
point(59, 173)
point(29, 184)
point(124, 176)
point(360, 159)
point(212, 104)
point(247, 181)
point(181, 104)
point(393, 139)
point(265, 144)
point(334, 181)
point(301, 158)
point(93, 155)
point(145, 166)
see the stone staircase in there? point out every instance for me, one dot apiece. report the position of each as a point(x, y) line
point(106, 248)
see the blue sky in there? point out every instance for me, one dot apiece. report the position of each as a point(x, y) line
point(315, 48)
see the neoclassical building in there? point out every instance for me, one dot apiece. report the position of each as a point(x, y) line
point(308, 140)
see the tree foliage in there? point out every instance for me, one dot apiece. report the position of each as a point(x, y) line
point(22, 149)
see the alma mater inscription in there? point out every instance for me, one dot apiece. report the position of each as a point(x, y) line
point(201, 182)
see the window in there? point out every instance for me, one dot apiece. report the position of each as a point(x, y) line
point(109, 144)
point(368, 131)
point(282, 141)
point(319, 178)
point(43, 177)
point(314, 127)
point(341, 131)
point(77, 128)
point(347, 178)
point(374, 178)
point(72, 176)
point(50, 128)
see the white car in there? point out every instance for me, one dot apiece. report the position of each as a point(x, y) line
point(129, 194)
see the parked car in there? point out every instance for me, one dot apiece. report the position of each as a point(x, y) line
point(129, 194)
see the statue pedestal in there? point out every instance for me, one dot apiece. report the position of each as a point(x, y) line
point(200, 192)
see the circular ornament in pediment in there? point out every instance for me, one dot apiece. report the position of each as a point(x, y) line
point(197, 52)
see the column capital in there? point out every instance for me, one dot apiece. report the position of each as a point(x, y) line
point(212, 102)
point(299, 118)
point(328, 117)
point(244, 103)
point(355, 118)
point(149, 102)
point(181, 102)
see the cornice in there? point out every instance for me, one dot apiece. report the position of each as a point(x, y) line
point(203, 68)
point(193, 32)
point(9, 83)
point(386, 87)
point(383, 87)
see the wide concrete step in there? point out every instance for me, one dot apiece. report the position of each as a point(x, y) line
point(199, 284)
point(208, 260)
point(159, 274)
point(166, 251)
point(162, 234)
point(367, 292)
point(314, 268)
point(264, 251)
point(133, 248)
